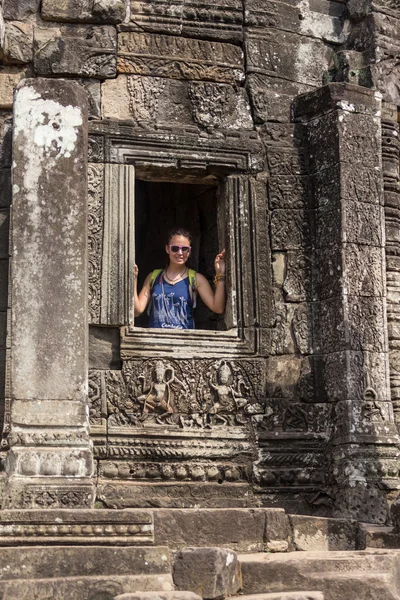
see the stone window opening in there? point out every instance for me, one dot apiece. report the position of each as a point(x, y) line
point(162, 205)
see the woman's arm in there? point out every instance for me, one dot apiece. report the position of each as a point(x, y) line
point(215, 302)
point(140, 301)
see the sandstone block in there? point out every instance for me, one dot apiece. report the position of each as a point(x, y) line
point(278, 535)
point(19, 10)
point(93, 90)
point(223, 21)
point(272, 97)
point(158, 100)
point(92, 587)
point(285, 596)
point(18, 43)
point(104, 348)
point(317, 533)
point(80, 561)
point(209, 572)
point(58, 258)
point(5, 154)
point(290, 56)
point(81, 50)
point(350, 574)
point(159, 596)
point(240, 529)
point(179, 58)
point(88, 11)
point(9, 79)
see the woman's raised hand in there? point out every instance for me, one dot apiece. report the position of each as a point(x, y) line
point(135, 271)
point(219, 263)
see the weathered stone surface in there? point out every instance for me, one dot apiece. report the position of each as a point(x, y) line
point(5, 156)
point(75, 50)
point(157, 100)
point(9, 79)
point(285, 596)
point(4, 233)
point(347, 574)
point(19, 10)
point(377, 36)
point(242, 530)
point(288, 55)
point(147, 495)
point(211, 572)
point(54, 562)
point(40, 240)
point(3, 284)
point(159, 596)
point(49, 246)
point(104, 348)
point(316, 533)
point(93, 89)
point(88, 11)
point(18, 43)
point(272, 97)
point(84, 527)
point(222, 21)
point(314, 19)
point(83, 588)
point(179, 58)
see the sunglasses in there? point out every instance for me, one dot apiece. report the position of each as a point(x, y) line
point(185, 249)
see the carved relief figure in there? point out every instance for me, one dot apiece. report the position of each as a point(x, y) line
point(228, 399)
point(371, 411)
point(158, 396)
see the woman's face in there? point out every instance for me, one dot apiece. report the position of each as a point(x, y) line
point(179, 257)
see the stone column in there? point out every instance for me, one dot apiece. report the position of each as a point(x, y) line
point(49, 463)
point(349, 294)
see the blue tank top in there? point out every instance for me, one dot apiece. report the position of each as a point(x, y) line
point(172, 305)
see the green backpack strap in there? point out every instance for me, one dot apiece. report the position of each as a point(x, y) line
point(193, 284)
point(153, 277)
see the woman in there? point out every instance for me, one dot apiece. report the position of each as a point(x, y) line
point(171, 293)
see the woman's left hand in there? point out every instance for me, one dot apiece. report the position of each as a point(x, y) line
point(219, 263)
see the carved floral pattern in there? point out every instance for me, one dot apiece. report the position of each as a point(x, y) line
point(95, 227)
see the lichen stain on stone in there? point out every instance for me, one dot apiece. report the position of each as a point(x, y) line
point(52, 132)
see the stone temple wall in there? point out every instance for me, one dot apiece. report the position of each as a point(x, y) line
point(275, 104)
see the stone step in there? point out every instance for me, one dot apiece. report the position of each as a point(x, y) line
point(83, 588)
point(175, 595)
point(282, 596)
point(241, 530)
point(362, 575)
point(374, 536)
point(54, 562)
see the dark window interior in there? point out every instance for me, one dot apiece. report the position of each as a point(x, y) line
point(160, 206)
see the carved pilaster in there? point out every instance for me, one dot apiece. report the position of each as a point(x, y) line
point(118, 246)
point(349, 291)
point(390, 160)
point(49, 461)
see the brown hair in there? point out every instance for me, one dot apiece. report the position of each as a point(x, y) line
point(178, 231)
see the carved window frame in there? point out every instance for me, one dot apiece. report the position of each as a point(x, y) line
point(231, 161)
